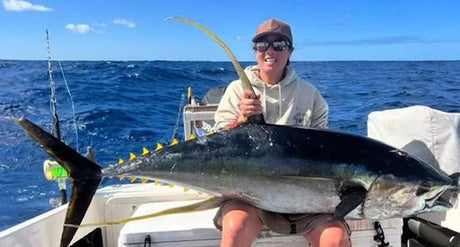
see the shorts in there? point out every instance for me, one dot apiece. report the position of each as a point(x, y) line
point(285, 223)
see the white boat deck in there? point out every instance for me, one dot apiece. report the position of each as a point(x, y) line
point(192, 229)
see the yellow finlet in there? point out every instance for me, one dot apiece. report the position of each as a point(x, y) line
point(186, 189)
point(121, 161)
point(144, 180)
point(132, 156)
point(145, 151)
point(170, 185)
point(210, 133)
point(121, 177)
point(132, 179)
point(157, 182)
point(174, 142)
point(159, 147)
point(192, 137)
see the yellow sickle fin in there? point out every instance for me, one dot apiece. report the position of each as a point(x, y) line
point(210, 203)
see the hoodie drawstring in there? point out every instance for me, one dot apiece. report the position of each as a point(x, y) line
point(280, 102)
point(264, 102)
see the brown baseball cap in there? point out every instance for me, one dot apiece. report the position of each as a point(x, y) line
point(273, 26)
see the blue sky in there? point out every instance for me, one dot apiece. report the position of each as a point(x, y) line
point(136, 30)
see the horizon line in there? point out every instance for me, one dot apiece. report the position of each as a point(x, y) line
point(217, 61)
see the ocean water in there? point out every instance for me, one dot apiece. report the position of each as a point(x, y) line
point(121, 107)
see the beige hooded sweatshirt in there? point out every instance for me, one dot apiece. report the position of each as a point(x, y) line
point(292, 101)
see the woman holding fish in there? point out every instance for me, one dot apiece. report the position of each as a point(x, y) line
point(283, 99)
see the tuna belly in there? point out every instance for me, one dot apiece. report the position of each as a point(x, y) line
point(283, 194)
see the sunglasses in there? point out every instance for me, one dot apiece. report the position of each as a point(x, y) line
point(278, 45)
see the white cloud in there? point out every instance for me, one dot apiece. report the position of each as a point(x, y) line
point(79, 28)
point(18, 5)
point(100, 24)
point(239, 37)
point(125, 22)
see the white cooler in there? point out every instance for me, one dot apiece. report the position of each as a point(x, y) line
point(191, 229)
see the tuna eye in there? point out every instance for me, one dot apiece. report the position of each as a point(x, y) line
point(423, 188)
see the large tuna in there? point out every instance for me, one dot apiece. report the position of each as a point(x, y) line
point(276, 168)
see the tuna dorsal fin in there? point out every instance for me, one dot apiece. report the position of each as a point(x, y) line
point(257, 119)
point(351, 196)
point(85, 175)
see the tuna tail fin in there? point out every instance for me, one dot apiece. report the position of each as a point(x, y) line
point(85, 175)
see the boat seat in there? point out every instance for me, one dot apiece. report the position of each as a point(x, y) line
point(429, 134)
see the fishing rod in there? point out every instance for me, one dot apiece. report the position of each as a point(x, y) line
point(56, 128)
point(52, 169)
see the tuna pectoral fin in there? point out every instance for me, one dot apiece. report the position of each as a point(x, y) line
point(85, 174)
point(350, 197)
point(210, 203)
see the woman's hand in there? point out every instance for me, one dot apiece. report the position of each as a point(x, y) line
point(250, 104)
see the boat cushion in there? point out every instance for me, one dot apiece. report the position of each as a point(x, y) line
point(429, 134)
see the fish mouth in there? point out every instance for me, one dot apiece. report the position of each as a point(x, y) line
point(446, 197)
point(443, 196)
